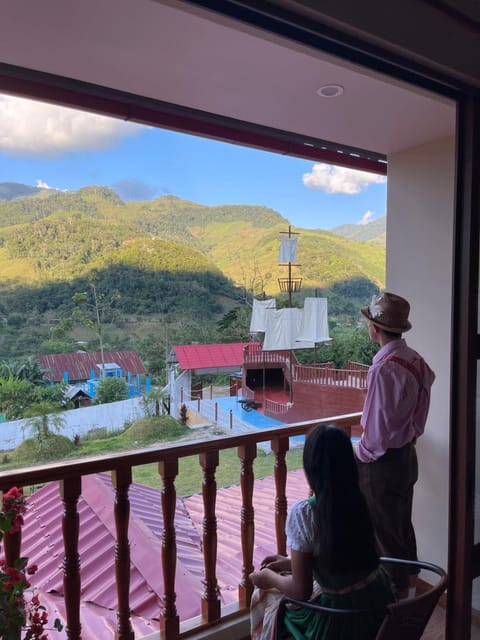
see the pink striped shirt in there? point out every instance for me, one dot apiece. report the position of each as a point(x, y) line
point(397, 400)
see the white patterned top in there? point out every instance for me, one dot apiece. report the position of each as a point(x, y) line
point(300, 527)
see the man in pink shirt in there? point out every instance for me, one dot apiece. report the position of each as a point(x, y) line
point(394, 416)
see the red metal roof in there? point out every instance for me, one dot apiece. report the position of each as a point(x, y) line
point(42, 543)
point(210, 356)
point(80, 364)
point(228, 510)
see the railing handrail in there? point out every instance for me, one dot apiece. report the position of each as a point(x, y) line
point(70, 473)
point(101, 463)
point(275, 407)
point(355, 378)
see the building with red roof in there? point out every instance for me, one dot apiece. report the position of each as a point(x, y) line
point(79, 365)
point(210, 358)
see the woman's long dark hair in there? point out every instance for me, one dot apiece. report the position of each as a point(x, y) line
point(345, 538)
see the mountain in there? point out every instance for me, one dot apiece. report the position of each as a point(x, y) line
point(11, 190)
point(166, 262)
point(62, 236)
point(374, 231)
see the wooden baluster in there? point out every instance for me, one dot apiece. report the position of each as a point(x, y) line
point(247, 455)
point(169, 620)
point(280, 447)
point(70, 489)
point(210, 600)
point(121, 481)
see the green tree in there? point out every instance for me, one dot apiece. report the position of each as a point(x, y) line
point(43, 418)
point(348, 343)
point(154, 402)
point(235, 325)
point(54, 393)
point(24, 369)
point(18, 396)
point(93, 309)
point(15, 396)
point(111, 390)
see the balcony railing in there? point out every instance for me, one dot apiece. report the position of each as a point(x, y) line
point(327, 376)
point(69, 475)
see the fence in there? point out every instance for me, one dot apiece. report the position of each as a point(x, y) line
point(111, 416)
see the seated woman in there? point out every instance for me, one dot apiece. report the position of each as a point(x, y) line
point(333, 556)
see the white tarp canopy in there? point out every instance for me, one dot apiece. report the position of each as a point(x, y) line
point(257, 321)
point(315, 320)
point(293, 328)
point(288, 250)
point(282, 330)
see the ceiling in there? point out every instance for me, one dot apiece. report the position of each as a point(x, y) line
point(170, 52)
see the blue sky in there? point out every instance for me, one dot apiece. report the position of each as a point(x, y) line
point(65, 149)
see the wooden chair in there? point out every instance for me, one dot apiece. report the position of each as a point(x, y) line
point(403, 619)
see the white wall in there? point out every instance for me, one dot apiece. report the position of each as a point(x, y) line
point(112, 416)
point(420, 208)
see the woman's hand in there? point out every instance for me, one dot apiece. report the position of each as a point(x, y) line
point(293, 577)
point(277, 563)
point(263, 579)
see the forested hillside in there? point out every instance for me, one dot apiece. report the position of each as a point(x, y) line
point(168, 263)
point(10, 190)
point(66, 235)
point(374, 231)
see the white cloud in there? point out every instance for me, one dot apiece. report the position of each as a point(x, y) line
point(367, 217)
point(43, 185)
point(331, 179)
point(37, 128)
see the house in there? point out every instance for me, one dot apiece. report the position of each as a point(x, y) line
point(81, 366)
point(281, 388)
point(405, 81)
point(78, 396)
point(211, 359)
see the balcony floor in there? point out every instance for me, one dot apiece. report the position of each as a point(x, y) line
point(436, 627)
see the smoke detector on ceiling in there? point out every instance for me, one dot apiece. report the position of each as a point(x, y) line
point(330, 91)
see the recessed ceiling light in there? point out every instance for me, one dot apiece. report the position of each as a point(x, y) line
point(330, 91)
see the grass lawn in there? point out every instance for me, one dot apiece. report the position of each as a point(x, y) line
point(189, 479)
point(151, 431)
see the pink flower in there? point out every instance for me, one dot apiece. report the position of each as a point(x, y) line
point(19, 614)
point(13, 500)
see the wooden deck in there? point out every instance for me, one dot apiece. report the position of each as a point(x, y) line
point(436, 627)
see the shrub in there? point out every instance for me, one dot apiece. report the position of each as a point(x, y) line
point(54, 447)
point(97, 433)
point(154, 429)
point(183, 414)
point(111, 390)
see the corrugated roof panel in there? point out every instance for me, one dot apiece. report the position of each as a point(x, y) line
point(210, 356)
point(80, 364)
point(97, 549)
point(228, 510)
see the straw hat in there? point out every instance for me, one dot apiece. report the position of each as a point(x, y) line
point(389, 312)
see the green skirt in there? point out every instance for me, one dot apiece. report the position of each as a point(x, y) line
point(305, 624)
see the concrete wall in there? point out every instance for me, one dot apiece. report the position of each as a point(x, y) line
point(112, 416)
point(420, 208)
